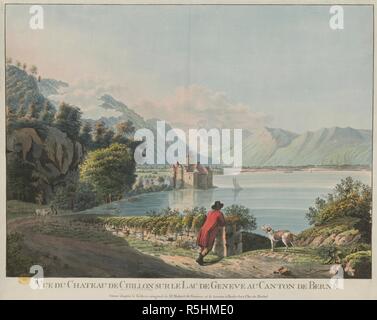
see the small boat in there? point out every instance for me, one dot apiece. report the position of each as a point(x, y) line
point(236, 185)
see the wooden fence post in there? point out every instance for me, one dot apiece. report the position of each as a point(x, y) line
point(224, 238)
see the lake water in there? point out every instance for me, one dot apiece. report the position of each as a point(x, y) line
point(276, 198)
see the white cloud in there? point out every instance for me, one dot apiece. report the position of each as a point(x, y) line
point(199, 107)
point(85, 94)
point(188, 107)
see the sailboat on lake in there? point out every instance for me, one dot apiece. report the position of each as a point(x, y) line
point(236, 185)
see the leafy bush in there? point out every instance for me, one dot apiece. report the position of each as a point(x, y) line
point(64, 197)
point(355, 247)
point(85, 135)
point(240, 216)
point(198, 221)
point(19, 179)
point(355, 255)
point(351, 199)
point(329, 253)
point(198, 217)
point(76, 197)
point(17, 262)
point(170, 220)
point(85, 197)
point(102, 136)
point(111, 171)
point(359, 264)
point(68, 120)
point(15, 123)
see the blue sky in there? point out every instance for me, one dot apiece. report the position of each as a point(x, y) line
point(231, 66)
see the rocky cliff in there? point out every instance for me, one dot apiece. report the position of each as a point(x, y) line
point(40, 157)
point(53, 160)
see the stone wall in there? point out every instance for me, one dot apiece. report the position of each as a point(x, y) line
point(202, 181)
point(190, 180)
point(228, 242)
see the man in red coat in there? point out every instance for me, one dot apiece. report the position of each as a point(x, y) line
point(214, 222)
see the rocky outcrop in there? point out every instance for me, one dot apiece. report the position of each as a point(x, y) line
point(22, 140)
point(59, 149)
point(40, 157)
point(325, 236)
point(54, 159)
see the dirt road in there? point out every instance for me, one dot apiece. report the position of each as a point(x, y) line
point(70, 248)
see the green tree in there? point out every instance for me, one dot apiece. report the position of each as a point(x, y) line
point(85, 135)
point(85, 197)
point(108, 137)
point(47, 114)
point(350, 198)
point(9, 60)
point(64, 197)
point(68, 120)
point(18, 64)
point(21, 112)
point(102, 136)
point(24, 66)
point(241, 216)
point(20, 179)
point(125, 127)
point(313, 213)
point(99, 131)
point(123, 134)
point(110, 170)
point(33, 111)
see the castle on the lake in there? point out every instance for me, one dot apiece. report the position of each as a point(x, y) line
point(194, 176)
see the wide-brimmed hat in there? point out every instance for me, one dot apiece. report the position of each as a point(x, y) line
point(217, 205)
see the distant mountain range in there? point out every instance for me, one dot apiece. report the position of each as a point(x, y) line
point(262, 147)
point(328, 146)
point(50, 87)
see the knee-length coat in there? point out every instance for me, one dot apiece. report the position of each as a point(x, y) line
point(208, 232)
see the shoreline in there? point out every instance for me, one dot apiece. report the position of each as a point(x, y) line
point(306, 169)
point(219, 171)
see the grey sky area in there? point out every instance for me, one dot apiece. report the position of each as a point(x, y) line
point(240, 66)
